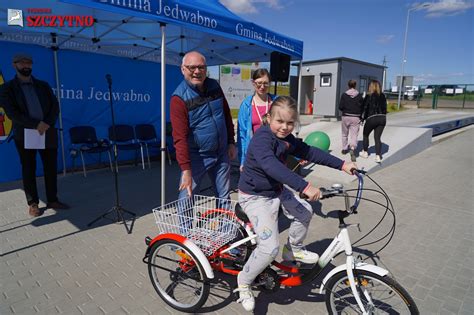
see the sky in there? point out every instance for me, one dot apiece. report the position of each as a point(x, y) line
point(440, 39)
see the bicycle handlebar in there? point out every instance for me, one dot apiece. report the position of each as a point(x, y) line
point(360, 185)
point(328, 193)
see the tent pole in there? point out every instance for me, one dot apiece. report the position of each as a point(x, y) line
point(58, 92)
point(299, 85)
point(163, 111)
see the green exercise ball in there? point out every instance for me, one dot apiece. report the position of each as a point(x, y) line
point(319, 140)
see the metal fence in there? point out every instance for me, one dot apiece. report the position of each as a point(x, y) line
point(442, 96)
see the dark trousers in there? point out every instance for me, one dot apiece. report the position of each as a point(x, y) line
point(376, 124)
point(28, 170)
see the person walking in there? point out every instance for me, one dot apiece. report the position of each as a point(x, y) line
point(375, 117)
point(252, 110)
point(32, 106)
point(203, 131)
point(351, 106)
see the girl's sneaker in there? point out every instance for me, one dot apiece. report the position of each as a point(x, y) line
point(378, 159)
point(246, 297)
point(364, 154)
point(301, 255)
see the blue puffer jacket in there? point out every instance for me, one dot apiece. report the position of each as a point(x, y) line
point(244, 126)
point(206, 117)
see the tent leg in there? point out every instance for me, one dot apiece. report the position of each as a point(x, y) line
point(163, 111)
point(61, 133)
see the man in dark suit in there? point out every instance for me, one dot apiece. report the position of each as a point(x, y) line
point(31, 104)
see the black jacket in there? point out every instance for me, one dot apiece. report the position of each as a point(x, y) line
point(374, 104)
point(13, 101)
point(351, 106)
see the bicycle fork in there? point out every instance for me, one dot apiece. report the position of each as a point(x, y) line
point(350, 275)
point(342, 243)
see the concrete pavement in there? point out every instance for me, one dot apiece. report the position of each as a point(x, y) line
point(54, 264)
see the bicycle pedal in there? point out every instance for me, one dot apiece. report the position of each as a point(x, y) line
point(297, 264)
point(302, 265)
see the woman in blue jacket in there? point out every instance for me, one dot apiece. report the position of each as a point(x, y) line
point(252, 110)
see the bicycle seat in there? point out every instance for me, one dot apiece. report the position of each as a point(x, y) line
point(241, 214)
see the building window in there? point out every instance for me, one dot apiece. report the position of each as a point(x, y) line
point(363, 85)
point(325, 79)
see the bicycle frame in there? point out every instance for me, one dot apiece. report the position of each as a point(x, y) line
point(341, 243)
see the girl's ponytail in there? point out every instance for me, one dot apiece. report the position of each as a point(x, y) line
point(265, 117)
point(283, 102)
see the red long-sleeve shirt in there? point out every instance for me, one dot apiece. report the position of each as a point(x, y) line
point(180, 122)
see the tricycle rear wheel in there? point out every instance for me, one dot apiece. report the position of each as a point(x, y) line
point(177, 275)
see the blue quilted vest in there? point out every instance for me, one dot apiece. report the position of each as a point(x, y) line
point(207, 127)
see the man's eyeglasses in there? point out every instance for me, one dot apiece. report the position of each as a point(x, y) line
point(193, 68)
point(260, 84)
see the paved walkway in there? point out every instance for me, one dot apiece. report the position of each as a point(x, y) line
point(426, 117)
point(54, 264)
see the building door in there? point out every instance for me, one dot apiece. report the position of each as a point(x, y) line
point(307, 90)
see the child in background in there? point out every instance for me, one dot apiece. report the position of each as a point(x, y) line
point(262, 190)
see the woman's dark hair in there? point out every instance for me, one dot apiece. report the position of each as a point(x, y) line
point(282, 102)
point(261, 72)
point(352, 84)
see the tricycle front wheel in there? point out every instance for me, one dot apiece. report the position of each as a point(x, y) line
point(386, 296)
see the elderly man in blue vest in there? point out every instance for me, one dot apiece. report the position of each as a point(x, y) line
point(203, 131)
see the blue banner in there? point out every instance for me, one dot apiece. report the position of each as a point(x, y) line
point(85, 98)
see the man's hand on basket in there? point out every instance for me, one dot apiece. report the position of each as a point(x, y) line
point(186, 182)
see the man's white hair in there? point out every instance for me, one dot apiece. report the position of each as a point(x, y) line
point(192, 52)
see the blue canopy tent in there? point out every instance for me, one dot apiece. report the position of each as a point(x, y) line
point(150, 30)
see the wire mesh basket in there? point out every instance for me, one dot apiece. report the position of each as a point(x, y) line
point(209, 222)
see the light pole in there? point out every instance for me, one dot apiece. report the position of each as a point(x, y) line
point(424, 5)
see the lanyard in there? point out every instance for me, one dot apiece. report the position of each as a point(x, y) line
point(256, 108)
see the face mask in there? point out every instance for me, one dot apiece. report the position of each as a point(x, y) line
point(25, 71)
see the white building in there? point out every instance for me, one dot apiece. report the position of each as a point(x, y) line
point(323, 82)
